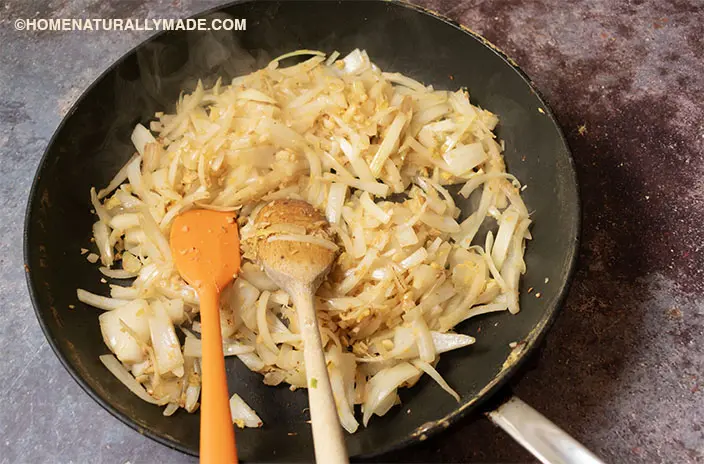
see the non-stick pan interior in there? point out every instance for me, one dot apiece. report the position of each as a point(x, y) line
point(93, 143)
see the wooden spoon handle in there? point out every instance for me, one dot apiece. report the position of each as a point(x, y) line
point(327, 434)
point(217, 435)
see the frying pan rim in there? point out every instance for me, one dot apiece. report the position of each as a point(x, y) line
point(463, 410)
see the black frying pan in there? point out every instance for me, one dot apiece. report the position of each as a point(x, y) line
point(93, 142)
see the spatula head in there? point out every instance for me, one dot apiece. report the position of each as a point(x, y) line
point(206, 247)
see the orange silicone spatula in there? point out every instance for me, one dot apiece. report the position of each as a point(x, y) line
point(206, 250)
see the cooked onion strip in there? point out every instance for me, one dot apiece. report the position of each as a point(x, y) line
point(304, 239)
point(98, 301)
point(430, 370)
point(242, 414)
point(123, 375)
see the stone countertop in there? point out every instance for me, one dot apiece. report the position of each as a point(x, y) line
point(623, 367)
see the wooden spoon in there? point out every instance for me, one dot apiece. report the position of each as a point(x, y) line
point(206, 249)
point(299, 268)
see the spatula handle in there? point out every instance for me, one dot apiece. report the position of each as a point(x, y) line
point(217, 435)
point(327, 433)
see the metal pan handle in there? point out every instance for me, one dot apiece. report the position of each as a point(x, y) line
point(543, 439)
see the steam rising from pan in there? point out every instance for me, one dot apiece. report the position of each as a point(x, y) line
point(168, 67)
point(152, 79)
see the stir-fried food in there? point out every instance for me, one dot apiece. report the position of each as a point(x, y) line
point(375, 152)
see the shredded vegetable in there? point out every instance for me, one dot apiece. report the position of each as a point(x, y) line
point(342, 135)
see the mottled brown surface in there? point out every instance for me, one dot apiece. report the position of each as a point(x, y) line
point(623, 367)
